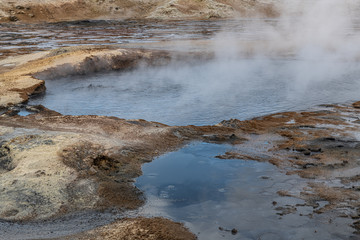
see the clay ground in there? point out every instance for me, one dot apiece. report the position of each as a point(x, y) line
point(52, 165)
point(70, 10)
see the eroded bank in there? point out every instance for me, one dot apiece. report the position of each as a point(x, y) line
point(53, 165)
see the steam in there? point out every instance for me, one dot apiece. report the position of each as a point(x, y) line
point(320, 37)
point(309, 56)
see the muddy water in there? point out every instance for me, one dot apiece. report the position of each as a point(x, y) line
point(201, 94)
point(28, 38)
point(213, 196)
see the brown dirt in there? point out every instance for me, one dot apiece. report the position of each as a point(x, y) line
point(52, 164)
point(322, 146)
point(20, 82)
point(138, 228)
point(70, 10)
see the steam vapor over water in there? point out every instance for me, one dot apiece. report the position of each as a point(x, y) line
point(321, 36)
point(309, 56)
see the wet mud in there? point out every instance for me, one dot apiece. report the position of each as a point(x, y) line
point(52, 165)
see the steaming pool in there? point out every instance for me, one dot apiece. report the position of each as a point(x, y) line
point(211, 196)
point(205, 93)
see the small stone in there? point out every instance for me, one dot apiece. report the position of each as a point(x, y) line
point(307, 153)
point(356, 104)
point(308, 165)
point(233, 136)
point(13, 18)
point(234, 231)
point(31, 15)
point(300, 149)
point(314, 149)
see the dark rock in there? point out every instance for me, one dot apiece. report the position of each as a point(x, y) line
point(234, 231)
point(307, 153)
point(5, 159)
point(356, 104)
point(300, 149)
point(315, 149)
point(308, 165)
point(13, 18)
point(329, 139)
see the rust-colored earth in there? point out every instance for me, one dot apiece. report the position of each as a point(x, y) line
point(52, 165)
point(70, 10)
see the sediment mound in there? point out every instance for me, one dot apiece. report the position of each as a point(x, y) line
point(70, 10)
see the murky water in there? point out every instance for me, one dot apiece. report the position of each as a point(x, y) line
point(204, 93)
point(213, 196)
point(229, 86)
point(28, 38)
point(190, 185)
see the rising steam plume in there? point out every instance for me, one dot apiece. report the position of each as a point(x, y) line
point(308, 56)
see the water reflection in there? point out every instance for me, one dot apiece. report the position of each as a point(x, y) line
point(202, 93)
point(27, 38)
point(206, 193)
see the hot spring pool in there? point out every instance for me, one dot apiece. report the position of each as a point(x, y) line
point(205, 93)
point(211, 196)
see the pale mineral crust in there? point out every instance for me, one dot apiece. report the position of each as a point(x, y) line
point(52, 165)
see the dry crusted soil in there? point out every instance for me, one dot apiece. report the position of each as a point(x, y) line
point(70, 10)
point(52, 165)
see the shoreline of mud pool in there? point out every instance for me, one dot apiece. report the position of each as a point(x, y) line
point(53, 165)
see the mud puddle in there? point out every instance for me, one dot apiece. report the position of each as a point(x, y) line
point(232, 199)
point(202, 93)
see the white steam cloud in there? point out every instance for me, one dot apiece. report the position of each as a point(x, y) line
point(309, 56)
point(320, 37)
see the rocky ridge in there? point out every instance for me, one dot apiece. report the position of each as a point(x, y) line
point(68, 10)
